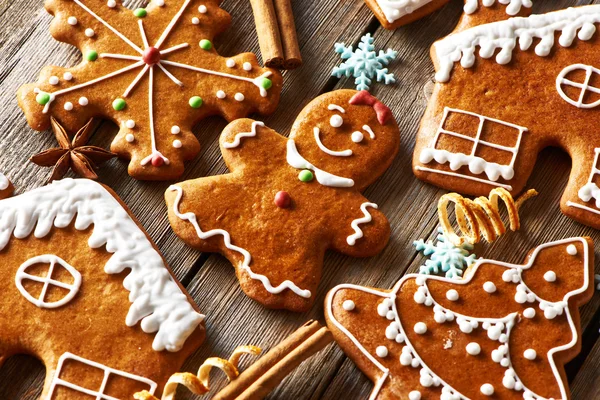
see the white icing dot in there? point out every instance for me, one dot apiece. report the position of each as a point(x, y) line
point(247, 66)
point(53, 80)
point(195, 20)
point(530, 354)
point(68, 106)
point(130, 138)
point(550, 276)
point(230, 62)
point(202, 9)
point(348, 305)
point(529, 313)
point(72, 21)
point(130, 124)
point(175, 130)
point(67, 76)
point(111, 3)
point(336, 121)
point(239, 97)
point(572, 250)
point(473, 348)
point(221, 94)
point(357, 137)
point(420, 328)
point(159, 3)
point(381, 351)
point(177, 144)
point(452, 295)
point(83, 101)
point(414, 395)
point(89, 32)
point(487, 389)
point(489, 287)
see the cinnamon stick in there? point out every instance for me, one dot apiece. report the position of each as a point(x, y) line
point(289, 41)
point(267, 28)
point(263, 376)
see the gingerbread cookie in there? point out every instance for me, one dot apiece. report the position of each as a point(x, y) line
point(152, 71)
point(522, 84)
point(86, 291)
point(393, 14)
point(286, 201)
point(504, 332)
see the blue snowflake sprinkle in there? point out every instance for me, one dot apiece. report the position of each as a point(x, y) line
point(445, 257)
point(364, 63)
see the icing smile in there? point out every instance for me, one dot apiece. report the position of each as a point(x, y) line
point(295, 160)
point(342, 153)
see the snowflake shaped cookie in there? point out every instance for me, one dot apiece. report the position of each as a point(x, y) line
point(364, 63)
point(154, 72)
point(445, 257)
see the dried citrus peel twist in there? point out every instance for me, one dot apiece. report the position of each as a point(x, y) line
point(480, 217)
point(200, 384)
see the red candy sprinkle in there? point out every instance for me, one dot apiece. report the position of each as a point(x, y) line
point(151, 56)
point(283, 199)
point(157, 161)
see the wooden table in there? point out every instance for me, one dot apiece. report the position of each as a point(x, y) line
point(232, 318)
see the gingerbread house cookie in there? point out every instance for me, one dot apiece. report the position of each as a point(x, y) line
point(154, 72)
point(86, 291)
point(503, 332)
point(286, 201)
point(506, 90)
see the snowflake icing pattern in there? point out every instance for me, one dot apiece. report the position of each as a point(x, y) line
point(153, 69)
point(445, 257)
point(364, 63)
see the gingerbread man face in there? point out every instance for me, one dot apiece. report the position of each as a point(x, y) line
point(286, 201)
point(512, 327)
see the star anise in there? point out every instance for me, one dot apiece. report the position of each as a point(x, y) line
point(73, 154)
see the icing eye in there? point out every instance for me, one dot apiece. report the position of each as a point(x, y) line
point(336, 121)
point(357, 137)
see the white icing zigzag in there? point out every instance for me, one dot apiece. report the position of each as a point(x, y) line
point(239, 136)
point(513, 6)
point(157, 301)
point(572, 22)
point(191, 218)
point(358, 233)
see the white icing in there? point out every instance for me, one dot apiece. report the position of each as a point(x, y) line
point(452, 295)
point(529, 313)
point(230, 63)
point(584, 87)
point(247, 258)
point(336, 121)
point(489, 287)
point(504, 35)
point(72, 21)
point(130, 124)
point(106, 372)
point(4, 183)
point(175, 130)
point(129, 137)
point(381, 351)
point(396, 9)
point(89, 32)
point(495, 327)
point(221, 94)
point(159, 3)
point(550, 276)
point(590, 191)
point(83, 101)
point(473, 349)
point(239, 97)
point(572, 250)
point(177, 144)
point(530, 354)
point(195, 20)
point(324, 149)
point(368, 129)
point(477, 165)
point(295, 160)
point(247, 66)
point(348, 305)
point(513, 6)
point(237, 139)
point(487, 389)
point(414, 395)
point(111, 3)
point(47, 280)
point(357, 137)
point(53, 80)
point(420, 328)
point(335, 107)
point(157, 301)
point(68, 106)
point(471, 178)
point(67, 76)
point(366, 218)
point(202, 9)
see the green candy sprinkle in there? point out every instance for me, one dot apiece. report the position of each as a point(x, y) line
point(91, 55)
point(196, 102)
point(140, 12)
point(205, 44)
point(266, 83)
point(119, 104)
point(306, 176)
point(42, 98)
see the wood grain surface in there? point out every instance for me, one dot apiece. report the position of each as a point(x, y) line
point(233, 319)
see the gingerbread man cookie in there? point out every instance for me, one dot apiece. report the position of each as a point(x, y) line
point(286, 201)
point(152, 71)
point(522, 84)
point(86, 291)
point(393, 14)
point(503, 332)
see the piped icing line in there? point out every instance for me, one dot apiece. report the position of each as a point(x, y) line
point(247, 258)
point(324, 149)
point(513, 6)
point(335, 107)
point(237, 139)
point(396, 9)
point(512, 274)
point(582, 207)
point(158, 303)
point(584, 87)
point(572, 22)
point(458, 160)
point(4, 183)
point(358, 233)
point(471, 178)
point(295, 160)
point(368, 129)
